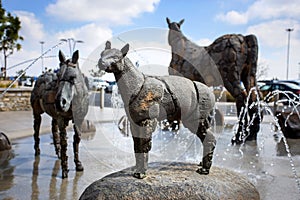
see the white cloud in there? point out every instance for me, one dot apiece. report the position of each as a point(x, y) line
point(270, 9)
point(108, 12)
point(204, 42)
point(264, 10)
point(273, 33)
point(99, 15)
point(31, 28)
point(92, 36)
point(273, 38)
point(233, 17)
point(33, 32)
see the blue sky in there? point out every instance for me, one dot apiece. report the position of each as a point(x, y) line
point(95, 21)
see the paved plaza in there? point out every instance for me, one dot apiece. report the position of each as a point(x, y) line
point(265, 163)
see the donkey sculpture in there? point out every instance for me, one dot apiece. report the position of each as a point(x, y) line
point(63, 96)
point(148, 99)
point(230, 60)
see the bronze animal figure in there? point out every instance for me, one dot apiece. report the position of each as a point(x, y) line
point(230, 60)
point(149, 99)
point(63, 96)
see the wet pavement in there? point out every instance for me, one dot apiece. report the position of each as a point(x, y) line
point(24, 176)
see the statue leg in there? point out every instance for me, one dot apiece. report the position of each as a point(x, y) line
point(76, 141)
point(255, 120)
point(243, 120)
point(234, 88)
point(209, 142)
point(56, 138)
point(36, 134)
point(254, 117)
point(64, 144)
point(142, 138)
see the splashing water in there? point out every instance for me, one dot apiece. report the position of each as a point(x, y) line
point(188, 148)
point(32, 63)
point(293, 103)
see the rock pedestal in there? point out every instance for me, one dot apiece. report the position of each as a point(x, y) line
point(172, 181)
point(4, 142)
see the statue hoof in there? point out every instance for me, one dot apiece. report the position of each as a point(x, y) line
point(79, 167)
point(37, 152)
point(139, 175)
point(65, 173)
point(236, 141)
point(58, 155)
point(202, 171)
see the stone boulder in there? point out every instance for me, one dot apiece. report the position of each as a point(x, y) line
point(172, 181)
point(289, 122)
point(4, 142)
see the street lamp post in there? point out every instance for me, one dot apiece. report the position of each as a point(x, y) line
point(74, 43)
point(299, 70)
point(69, 41)
point(42, 57)
point(289, 30)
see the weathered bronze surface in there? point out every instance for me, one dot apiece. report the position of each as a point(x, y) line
point(231, 60)
point(63, 96)
point(148, 99)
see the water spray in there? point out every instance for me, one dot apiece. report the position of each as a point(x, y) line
point(33, 62)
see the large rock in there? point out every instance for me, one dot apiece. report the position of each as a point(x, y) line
point(172, 181)
point(289, 122)
point(4, 142)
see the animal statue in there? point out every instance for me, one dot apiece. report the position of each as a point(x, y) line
point(63, 96)
point(149, 99)
point(230, 60)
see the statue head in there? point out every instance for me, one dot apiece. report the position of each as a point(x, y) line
point(67, 75)
point(175, 33)
point(175, 26)
point(111, 59)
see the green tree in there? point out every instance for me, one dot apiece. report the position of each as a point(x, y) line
point(9, 35)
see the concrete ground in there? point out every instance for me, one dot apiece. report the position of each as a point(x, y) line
point(265, 163)
point(19, 124)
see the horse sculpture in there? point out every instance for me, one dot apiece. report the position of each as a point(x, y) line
point(148, 99)
point(230, 60)
point(63, 96)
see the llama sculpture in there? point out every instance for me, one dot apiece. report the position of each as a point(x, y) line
point(230, 60)
point(63, 96)
point(148, 99)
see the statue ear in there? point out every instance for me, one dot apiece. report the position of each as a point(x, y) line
point(75, 56)
point(107, 45)
point(61, 56)
point(181, 22)
point(125, 50)
point(168, 21)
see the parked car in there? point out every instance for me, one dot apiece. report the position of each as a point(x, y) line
point(97, 84)
point(28, 81)
point(111, 85)
point(296, 82)
point(286, 90)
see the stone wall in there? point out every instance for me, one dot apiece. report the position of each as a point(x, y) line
point(15, 99)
